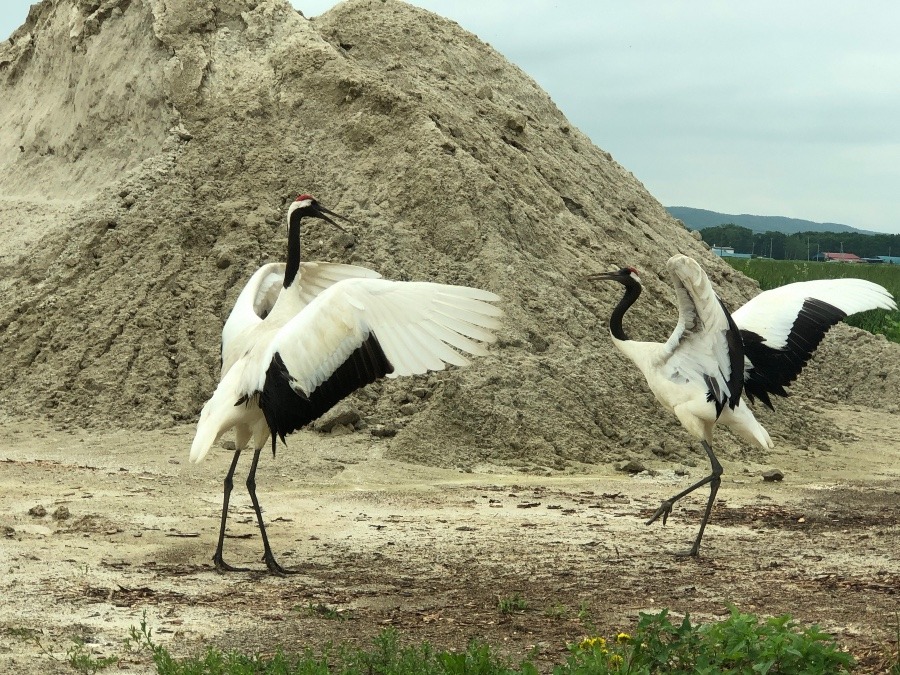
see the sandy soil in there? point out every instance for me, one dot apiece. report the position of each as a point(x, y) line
point(148, 151)
point(129, 527)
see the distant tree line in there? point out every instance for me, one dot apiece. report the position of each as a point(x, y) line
point(802, 245)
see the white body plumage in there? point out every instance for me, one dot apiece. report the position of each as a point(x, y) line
point(301, 337)
point(713, 357)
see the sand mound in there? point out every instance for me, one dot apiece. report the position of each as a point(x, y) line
point(164, 140)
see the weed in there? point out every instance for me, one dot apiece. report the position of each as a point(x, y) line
point(22, 633)
point(326, 612)
point(141, 638)
point(557, 611)
point(741, 643)
point(82, 661)
point(385, 657)
point(584, 613)
point(513, 603)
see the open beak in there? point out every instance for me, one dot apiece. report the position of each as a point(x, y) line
point(319, 211)
point(604, 276)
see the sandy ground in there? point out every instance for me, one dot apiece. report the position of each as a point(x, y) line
point(129, 527)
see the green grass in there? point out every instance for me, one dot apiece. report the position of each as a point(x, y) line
point(773, 273)
point(385, 657)
point(742, 643)
point(325, 612)
point(513, 603)
point(81, 660)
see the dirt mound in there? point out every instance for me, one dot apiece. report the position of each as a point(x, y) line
point(154, 204)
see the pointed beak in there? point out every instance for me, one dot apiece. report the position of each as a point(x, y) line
point(319, 211)
point(604, 276)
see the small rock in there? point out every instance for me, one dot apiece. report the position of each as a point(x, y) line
point(772, 475)
point(383, 431)
point(632, 466)
point(340, 415)
point(661, 451)
point(408, 409)
point(516, 122)
point(37, 511)
point(696, 235)
point(182, 133)
point(224, 260)
point(485, 93)
point(62, 513)
point(342, 429)
point(228, 445)
point(681, 471)
point(345, 240)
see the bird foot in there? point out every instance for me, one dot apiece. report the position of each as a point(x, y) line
point(664, 510)
point(275, 568)
point(692, 553)
point(223, 566)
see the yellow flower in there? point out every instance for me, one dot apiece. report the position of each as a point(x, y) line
point(615, 660)
point(592, 642)
point(622, 638)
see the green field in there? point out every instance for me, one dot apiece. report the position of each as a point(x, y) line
point(774, 273)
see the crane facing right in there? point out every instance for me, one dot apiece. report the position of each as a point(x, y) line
point(712, 356)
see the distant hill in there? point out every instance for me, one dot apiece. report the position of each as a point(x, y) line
point(697, 219)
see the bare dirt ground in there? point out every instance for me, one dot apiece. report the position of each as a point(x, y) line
point(128, 528)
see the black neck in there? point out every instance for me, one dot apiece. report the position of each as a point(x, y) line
point(632, 292)
point(293, 253)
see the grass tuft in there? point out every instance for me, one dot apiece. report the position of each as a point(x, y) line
point(82, 660)
point(740, 644)
point(513, 603)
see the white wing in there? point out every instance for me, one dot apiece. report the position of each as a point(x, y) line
point(255, 301)
point(772, 314)
point(781, 328)
point(417, 324)
point(260, 293)
point(704, 346)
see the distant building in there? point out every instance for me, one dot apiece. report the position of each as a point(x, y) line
point(890, 259)
point(728, 252)
point(838, 257)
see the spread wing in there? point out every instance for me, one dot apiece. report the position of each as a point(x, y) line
point(705, 346)
point(350, 334)
point(361, 329)
point(262, 290)
point(781, 328)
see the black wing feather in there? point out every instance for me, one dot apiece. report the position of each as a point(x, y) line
point(287, 409)
point(773, 369)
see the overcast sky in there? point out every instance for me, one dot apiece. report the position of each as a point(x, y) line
point(764, 107)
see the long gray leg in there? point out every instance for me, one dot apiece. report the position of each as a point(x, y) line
point(220, 564)
point(714, 479)
point(271, 563)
